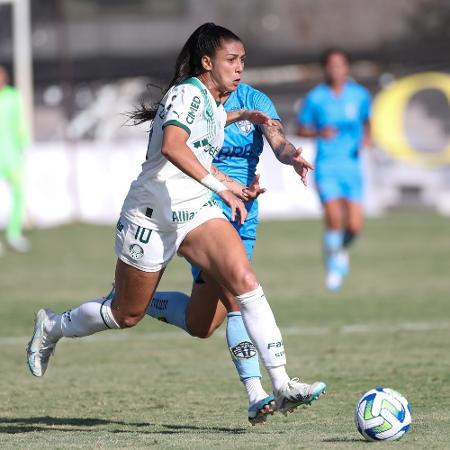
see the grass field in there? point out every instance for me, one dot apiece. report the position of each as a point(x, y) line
point(155, 387)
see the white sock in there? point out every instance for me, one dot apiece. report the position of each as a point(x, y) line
point(279, 377)
point(262, 328)
point(53, 327)
point(254, 389)
point(88, 318)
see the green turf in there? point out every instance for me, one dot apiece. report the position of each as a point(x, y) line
point(153, 386)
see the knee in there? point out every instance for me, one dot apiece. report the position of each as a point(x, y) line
point(202, 330)
point(354, 228)
point(245, 279)
point(127, 320)
point(202, 333)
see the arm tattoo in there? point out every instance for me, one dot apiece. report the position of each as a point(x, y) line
point(282, 148)
point(220, 175)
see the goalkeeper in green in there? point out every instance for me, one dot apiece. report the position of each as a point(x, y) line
point(14, 138)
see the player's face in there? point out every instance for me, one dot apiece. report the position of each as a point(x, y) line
point(227, 66)
point(337, 69)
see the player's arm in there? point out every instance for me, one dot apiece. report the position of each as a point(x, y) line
point(367, 136)
point(307, 131)
point(307, 126)
point(245, 193)
point(255, 117)
point(174, 148)
point(285, 151)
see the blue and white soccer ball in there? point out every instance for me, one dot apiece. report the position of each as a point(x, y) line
point(382, 414)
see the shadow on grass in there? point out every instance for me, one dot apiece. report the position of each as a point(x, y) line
point(15, 425)
point(343, 439)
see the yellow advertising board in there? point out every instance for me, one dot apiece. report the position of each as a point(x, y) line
point(388, 120)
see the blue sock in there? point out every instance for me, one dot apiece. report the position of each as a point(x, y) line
point(169, 307)
point(332, 242)
point(243, 352)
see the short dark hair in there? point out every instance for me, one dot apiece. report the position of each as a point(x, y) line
point(325, 57)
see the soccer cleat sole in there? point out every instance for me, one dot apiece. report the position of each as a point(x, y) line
point(37, 334)
point(264, 408)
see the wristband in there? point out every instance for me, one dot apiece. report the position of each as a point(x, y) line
point(212, 183)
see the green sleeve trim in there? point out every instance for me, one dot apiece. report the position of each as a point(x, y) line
point(177, 124)
point(195, 82)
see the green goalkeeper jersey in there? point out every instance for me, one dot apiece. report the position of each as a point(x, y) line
point(13, 132)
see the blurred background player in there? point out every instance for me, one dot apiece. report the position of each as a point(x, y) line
point(209, 303)
point(337, 114)
point(13, 140)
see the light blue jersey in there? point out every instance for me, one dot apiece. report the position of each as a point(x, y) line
point(239, 156)
point(242, 148)
point(337, 165)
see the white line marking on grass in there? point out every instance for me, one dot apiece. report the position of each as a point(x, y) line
point(411, 327)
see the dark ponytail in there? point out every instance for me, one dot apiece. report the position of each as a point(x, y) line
point(205, 40)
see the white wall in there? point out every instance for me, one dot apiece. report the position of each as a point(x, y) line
point(88, 181)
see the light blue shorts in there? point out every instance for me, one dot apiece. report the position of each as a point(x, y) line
point(346, 184)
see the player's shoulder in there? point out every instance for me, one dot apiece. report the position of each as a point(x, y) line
point(318, 92)
point(191, 86)
point(249, 97)
point(189, 94)
point(357, 88)
point(10, 91)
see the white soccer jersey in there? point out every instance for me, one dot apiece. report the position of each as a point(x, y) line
point(163, 196)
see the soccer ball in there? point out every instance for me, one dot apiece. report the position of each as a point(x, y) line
point(382, 414)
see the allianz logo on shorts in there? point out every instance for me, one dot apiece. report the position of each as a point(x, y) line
point(182, 216)
point(185, 215)
point(136, 251)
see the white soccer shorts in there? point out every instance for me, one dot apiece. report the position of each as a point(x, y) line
point(151, 250)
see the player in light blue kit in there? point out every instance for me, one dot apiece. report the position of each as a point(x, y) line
point(337, 113)
point(206, 308)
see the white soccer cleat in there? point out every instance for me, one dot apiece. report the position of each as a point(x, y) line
point(333, 281)
point(19, 244)
point(40, 347)
point(294, 394)
point(343, 262)
point(258, 413)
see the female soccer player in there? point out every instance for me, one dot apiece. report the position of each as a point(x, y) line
point(202, 312)
point(168, 210)
point(13, 140)
point(337, 113)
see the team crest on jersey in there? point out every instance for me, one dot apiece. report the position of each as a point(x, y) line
point(136, 251)
point(245, 126)
point(244, 350)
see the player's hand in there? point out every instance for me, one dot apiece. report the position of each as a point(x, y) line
point(328, 132)
point(301, 166)
point(236, 205)
point(367, 142)
point(257, 118)
point(254, 190)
